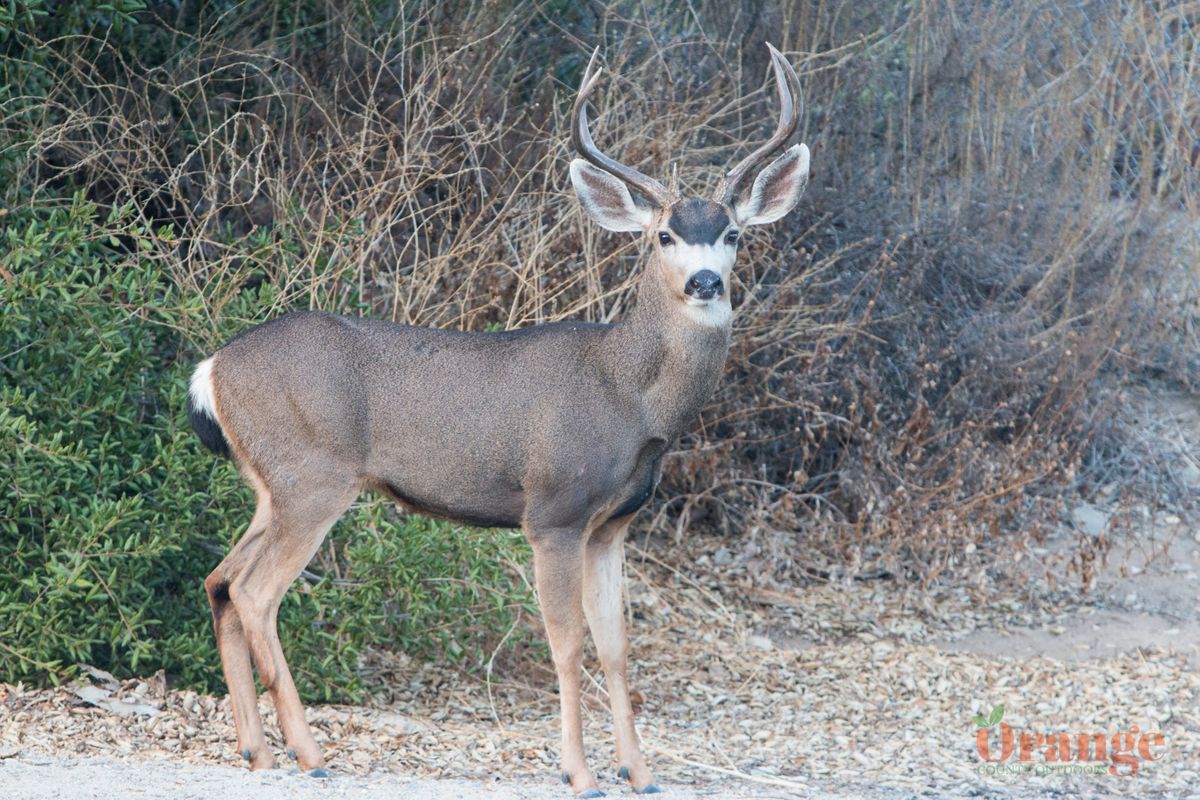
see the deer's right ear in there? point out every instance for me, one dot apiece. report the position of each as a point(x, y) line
point(606, 199)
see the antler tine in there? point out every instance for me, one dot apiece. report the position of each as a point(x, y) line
point(581, 138)
point(788, 85)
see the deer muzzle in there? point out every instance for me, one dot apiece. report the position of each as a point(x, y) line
point(704, 285)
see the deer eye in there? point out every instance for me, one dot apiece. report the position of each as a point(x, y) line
point(665, 239)
point(731, 237)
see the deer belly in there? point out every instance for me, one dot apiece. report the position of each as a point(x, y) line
point(492, 512)
point(477, 486)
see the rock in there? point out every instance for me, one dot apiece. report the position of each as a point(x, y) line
point(1189, 473)
point(400, 723)
point(761, 642)
point(1090, 519)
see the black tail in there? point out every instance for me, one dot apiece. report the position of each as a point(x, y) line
point(208, 430)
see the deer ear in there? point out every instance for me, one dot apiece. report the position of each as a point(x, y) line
point(606, 199)
point(776, 190)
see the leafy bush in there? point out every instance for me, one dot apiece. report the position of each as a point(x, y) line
point(112, 514)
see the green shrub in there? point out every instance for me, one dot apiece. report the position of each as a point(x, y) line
point(111, 513)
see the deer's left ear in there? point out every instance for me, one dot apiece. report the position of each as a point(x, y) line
point(776, 190)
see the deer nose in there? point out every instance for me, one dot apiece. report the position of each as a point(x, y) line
point(704, 285)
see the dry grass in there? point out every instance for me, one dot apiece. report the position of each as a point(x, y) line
point(1000, 232)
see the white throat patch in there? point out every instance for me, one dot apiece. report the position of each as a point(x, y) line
point(713, 313)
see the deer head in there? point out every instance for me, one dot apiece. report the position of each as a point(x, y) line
point(694, 240)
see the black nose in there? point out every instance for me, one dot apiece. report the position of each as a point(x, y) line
point(704, 285)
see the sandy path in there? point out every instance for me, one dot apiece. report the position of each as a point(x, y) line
point(54, 778)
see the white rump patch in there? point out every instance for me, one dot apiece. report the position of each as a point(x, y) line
point(201, 389)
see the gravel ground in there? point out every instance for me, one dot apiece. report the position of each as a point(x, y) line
point(104, 779)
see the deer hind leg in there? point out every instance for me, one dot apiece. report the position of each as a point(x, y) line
point(298, 525)
point(602, 584)
point(231, 638)
point(557, 562)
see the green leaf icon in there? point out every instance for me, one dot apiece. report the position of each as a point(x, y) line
point(979, 720)
point(996, 715)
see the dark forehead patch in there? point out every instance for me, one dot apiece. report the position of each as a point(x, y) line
point(698, 221)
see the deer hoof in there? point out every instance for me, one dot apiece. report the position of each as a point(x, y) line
point(246, 754)
point(650, 788)
point(566, 777)
point(291, 754)
point(593, 793)
point(319, 772)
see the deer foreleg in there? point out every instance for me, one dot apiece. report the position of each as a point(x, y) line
point(557, 566)
point(602, 585)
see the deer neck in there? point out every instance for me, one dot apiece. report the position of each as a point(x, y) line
point(672, 357)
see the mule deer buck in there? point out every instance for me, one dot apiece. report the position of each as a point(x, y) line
point(557, 428)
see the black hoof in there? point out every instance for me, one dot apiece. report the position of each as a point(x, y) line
point(246, 754)
point(566, 777)
point(623, 773)
point(319, 772)
point(593, 793)
point(650, 788)
point(292, 754)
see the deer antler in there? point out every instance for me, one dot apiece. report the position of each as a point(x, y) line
point(789, 118)
point(581, 137)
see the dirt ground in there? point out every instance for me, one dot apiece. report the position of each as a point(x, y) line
point(837, 690)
